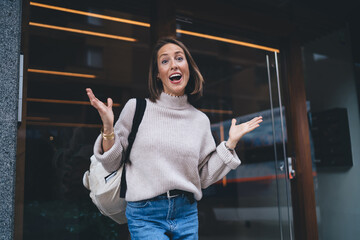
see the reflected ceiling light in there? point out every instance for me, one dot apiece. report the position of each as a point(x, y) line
point(59, 124)
point(115, 19)
point(62, 73)
point(216, 111)
point(83, 32)
point(319, 57)
point(37, 118)
point(227, 40)
point(41, 100)
point(123, 20)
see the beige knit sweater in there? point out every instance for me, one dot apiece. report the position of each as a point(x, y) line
point(173, 149)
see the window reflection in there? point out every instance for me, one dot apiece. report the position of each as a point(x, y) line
point(61, 125)
point(252, 201)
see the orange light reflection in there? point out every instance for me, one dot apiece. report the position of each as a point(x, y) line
point(216, 111)
point(62, 73)
point(64, 124)
point(143, 24)
point(115, 19)
point(227, 40)
point(64, 101)
point(83, 32)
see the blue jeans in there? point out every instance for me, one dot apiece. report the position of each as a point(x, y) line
point(163, 218)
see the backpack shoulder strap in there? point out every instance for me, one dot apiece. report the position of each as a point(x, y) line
point(139, 113)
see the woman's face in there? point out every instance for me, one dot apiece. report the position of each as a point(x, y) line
point(173, 69)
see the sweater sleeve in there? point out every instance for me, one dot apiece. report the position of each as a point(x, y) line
point(111, 159)
point(215, 162)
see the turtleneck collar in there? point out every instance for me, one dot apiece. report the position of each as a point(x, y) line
point(173, 102)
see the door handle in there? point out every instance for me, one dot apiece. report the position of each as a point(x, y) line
point(291, 170)
point(282, 167)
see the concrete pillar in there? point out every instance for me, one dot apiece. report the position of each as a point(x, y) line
point(10, 35)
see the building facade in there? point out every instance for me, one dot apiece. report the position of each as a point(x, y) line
point(292, 63)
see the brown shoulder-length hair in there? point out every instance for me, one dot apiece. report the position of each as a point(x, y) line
point(194, 87)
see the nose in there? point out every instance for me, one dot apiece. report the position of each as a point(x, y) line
point(174, 64)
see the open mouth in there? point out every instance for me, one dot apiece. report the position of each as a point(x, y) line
point(175, 77)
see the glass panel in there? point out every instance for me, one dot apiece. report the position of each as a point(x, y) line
point(61, 125)
point(331, 91)
point(283, 164)
point(251, 202)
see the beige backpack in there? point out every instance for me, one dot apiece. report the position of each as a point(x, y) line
point(107, 190)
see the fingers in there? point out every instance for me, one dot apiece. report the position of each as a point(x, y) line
point(90, 93)
point(91, 96)
point(254, 126)
point(256, 120)
point(233, 122)
point(109, 102)
point(96, 103)
point(254, 123)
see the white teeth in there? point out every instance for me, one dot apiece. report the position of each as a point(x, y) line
point(176, 75)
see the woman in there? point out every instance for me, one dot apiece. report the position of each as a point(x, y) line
point(174, 154)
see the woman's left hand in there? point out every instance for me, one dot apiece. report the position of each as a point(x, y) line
point(238, 131)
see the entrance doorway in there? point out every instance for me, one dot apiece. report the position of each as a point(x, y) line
point(242, 81)
point(72, 47)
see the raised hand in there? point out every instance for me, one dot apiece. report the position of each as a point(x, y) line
point(236, 132)
point(105, 111)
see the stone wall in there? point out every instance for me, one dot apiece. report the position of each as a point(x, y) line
point(10, 36)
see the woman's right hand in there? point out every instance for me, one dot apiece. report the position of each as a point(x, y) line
point(106, 113)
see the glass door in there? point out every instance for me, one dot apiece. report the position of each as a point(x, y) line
point(253, 201)
point(283, 163)
point(106, 47)
point(73, 46)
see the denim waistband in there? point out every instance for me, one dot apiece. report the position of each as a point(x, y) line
point(175, 193)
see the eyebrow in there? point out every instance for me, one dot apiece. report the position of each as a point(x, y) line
point(177, 52)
